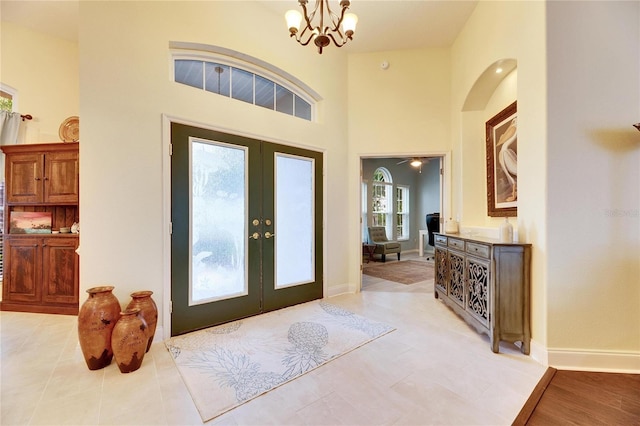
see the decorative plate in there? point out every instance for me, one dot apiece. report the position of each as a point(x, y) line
point(70, 130)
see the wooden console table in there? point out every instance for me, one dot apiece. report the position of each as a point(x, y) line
point(487, 283)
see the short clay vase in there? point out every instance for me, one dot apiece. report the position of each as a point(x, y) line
point(129, 340)
point(96, 319)
point(148, 310)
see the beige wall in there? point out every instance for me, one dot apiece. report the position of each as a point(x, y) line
point(517, 32)
point(126, 87)
point(44, 70)
point(578, 193)
point(403, 110)
point(593, 167)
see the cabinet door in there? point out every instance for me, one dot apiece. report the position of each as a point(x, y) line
point(456, 277)
point(60, 270)
point(61, 177)
point(24, 178)
point(442, 274)
point(23, 272)
point(478, 279)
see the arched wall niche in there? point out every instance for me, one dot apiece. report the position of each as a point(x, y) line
point(487, 83)
point(491, 92)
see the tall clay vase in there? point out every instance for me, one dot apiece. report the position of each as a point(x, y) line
point(148, 310)
point(130, 340)
point(96, 319)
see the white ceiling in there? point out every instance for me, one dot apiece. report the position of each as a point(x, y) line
point(383, 24)
point(57, 18)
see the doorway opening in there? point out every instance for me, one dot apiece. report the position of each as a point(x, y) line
point(402, 194)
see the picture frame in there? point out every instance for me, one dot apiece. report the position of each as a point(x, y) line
point(502, 158)
point(30, 223)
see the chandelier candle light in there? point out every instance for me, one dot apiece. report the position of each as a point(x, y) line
point(320, 34)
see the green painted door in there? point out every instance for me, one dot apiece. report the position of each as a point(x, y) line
point(246, 227)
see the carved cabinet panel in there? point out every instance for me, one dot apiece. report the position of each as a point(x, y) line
point(441, 270)
point(456, 277)
point(477, 286)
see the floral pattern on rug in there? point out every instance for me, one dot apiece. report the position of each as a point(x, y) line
point(227, 365)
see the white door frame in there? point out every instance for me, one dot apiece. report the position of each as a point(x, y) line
point(445, 185)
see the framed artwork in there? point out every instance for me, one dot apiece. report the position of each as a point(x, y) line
point(30, 223)
point(502, 163)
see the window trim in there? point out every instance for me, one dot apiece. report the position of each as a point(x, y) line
point(388, 185)
point(11, 92)
point(406, 213)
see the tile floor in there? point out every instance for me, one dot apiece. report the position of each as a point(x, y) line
point(433, 369)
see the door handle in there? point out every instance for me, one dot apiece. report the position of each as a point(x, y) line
point(268, 235)
point(255, 236)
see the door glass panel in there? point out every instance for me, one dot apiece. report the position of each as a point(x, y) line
point(294, 220)
point(218, 234)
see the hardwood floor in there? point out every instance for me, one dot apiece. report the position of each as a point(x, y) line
point(583, 398)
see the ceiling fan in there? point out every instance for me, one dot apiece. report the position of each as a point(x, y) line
point(415, 161)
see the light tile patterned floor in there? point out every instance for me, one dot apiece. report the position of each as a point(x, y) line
point(433, 369)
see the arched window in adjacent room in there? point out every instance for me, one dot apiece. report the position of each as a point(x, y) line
point(382, 200)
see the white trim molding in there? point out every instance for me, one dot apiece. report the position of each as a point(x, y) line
point(595, 360)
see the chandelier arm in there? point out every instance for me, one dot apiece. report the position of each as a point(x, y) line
point(304, 43)
point(344, 39)
point(333, 16)
point(308, 17)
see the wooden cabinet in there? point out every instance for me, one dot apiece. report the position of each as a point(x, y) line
point(41, 274)
point(41, 270)
point(42, 178)
point(487, 284)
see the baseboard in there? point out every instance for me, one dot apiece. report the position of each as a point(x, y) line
point(336, 290)
point(158, 336)
point(539, 352)
point(591, 360)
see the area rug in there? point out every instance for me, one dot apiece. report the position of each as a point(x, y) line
point(403, 272)
point(228, 365)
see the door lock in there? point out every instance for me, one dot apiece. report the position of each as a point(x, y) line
point(255, 222)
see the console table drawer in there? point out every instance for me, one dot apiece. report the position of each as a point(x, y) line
point(478, 249)
point(441, 240)
point(457, 244)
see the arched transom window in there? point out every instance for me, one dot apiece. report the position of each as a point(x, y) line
point(241, 77)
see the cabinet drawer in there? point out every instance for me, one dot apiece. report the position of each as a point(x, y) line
point(441, 240)
point(478, 249)
point(457, 244)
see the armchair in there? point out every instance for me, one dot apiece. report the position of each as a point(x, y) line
point(378, 236)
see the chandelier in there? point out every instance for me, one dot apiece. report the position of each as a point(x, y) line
point(322, 34)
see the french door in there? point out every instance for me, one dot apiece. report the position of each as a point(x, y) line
point(246, 227)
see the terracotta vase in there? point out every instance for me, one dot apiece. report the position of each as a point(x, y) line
point(148, 310)
point(96, 319)
point(129, 340)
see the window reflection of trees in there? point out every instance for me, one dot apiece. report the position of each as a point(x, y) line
point(218, 219)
